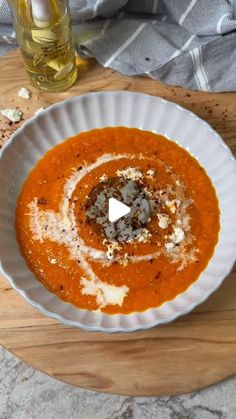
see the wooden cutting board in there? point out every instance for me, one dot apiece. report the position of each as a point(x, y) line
point(195, 351)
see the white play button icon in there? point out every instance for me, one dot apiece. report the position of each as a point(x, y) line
point(116, 210)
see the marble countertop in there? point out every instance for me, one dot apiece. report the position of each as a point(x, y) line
point(26, 393)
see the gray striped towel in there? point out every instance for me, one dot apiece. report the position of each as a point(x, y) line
point(190, 43)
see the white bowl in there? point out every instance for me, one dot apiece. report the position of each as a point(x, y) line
point(103, 109)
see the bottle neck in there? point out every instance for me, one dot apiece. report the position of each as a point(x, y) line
point(42, 13)
point(38, 13)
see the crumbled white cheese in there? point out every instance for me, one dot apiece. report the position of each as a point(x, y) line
point(185, 222)
point(171, 206)
point(178, 235)
point(39, 110)
point(144, 236)
point(109, 254)
point(53, 261)
point(112, 248)
point(24, 93)
point(150, 172)
point(131, 173)
point(163, 220)
point(105, 293)
point(103, 178)
point(169, 246)
point(14, 115)
point(125, 260)
point(178, 183)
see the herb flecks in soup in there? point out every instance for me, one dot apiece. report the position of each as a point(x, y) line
point(139, 261)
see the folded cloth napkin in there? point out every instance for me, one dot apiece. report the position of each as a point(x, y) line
point(190, 43)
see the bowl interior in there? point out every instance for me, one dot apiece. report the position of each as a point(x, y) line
point(97, 110)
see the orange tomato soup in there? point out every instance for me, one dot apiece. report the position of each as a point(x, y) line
point(137, 262)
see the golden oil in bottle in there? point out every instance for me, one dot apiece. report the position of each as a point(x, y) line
point(43, 30)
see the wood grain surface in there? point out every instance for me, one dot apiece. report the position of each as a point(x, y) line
point(195, 351)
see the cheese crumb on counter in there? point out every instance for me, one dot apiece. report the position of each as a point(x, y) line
point(24, 93)
point(14, 115)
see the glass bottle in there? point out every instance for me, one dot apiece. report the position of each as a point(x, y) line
point(43, 31)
